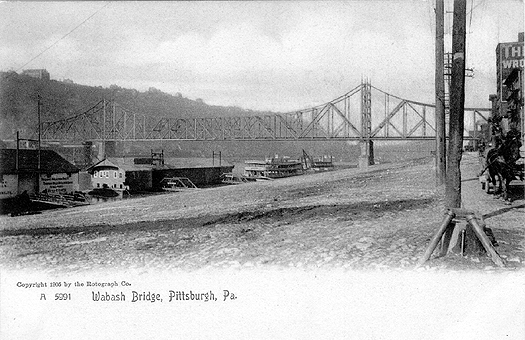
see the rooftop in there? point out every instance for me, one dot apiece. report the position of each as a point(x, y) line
point(128, 163)
point(50, 161)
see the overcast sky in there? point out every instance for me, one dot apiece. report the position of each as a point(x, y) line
point(274, 55)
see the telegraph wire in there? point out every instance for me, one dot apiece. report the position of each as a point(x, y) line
point(431, 11)
point(470, 71)
point(470, 16)
point(472, 7)
point(63, 37)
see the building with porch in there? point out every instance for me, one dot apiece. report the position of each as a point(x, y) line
point(147, 173)
point(121, 173)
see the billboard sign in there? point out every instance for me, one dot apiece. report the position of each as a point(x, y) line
point(509, 56)
point(58, 183)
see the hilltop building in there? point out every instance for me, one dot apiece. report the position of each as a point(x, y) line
point(37, 73)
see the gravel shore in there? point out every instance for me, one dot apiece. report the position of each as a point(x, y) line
point(377, 218)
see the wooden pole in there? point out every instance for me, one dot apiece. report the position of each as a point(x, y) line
point(104, 129)
point(17, 150)
point(440, 95)
point(17, 165)
point(485, 241)
point(39, 147)
point(435, 240)
point(457, 105)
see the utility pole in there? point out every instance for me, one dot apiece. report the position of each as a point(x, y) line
point(17, 162)
point(103, 146)
point(39, 141)
point(455, 212)
point(457, 106)
point(440, 95)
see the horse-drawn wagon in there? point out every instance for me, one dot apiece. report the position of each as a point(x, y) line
point(501, 164)
point(502, 138)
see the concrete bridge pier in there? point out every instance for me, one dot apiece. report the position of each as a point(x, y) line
point(105, 149)
point(366, 158)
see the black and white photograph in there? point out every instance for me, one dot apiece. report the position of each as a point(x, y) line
point(262, 169)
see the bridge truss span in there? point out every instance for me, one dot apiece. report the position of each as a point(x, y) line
point(363, 113)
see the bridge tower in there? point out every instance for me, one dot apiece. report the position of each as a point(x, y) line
point(366, 144)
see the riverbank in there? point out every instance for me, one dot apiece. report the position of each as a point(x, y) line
point(376, 218)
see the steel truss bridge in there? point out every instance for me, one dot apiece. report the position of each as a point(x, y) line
point(364, 113)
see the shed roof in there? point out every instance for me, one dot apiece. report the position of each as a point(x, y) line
point(124, 163)
point(128, 163)
point(50, 161)
point(185, 163)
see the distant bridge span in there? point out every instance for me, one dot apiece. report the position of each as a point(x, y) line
point(364, 113)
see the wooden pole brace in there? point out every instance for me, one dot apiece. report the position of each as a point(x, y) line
point(435, 240)
point(451, 216)
point(471, 219)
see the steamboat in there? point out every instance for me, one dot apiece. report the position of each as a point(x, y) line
point(272, 168)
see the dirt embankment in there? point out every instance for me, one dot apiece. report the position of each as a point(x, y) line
point(382, 217)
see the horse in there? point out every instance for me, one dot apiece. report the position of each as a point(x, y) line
point(501, 164)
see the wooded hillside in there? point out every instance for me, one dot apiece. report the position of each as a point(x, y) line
point(19, 93)
point(18, 111)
